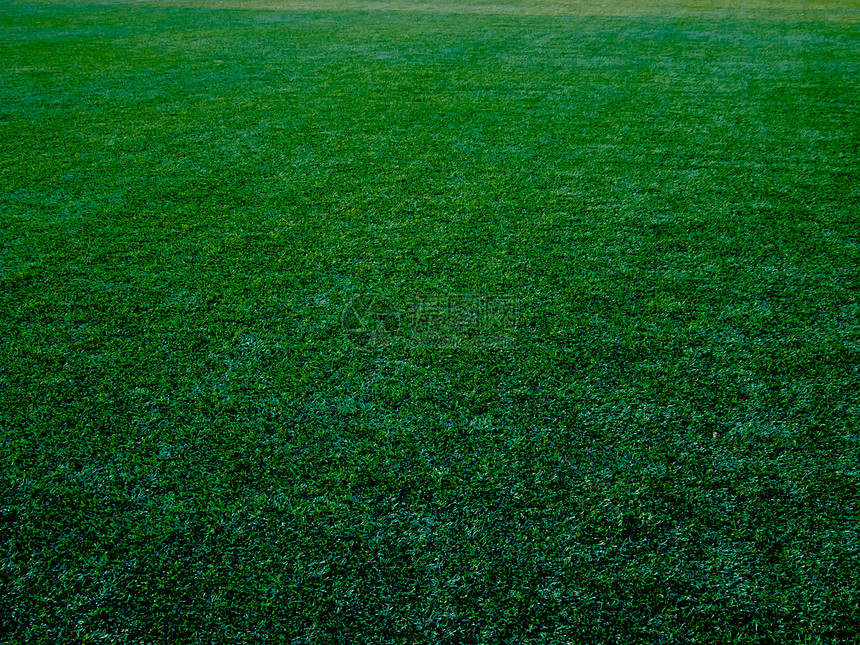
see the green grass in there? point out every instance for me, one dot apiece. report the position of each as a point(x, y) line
point(192, 449)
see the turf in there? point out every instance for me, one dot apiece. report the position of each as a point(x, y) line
point(664, 449)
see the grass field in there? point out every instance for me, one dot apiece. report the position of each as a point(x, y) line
point(195, 198)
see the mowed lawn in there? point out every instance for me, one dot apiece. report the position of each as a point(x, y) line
point(196, 196)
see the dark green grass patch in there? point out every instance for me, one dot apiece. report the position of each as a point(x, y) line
point(664, 449)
